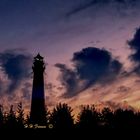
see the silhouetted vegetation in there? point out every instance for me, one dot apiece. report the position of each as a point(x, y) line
point(1, 116)
point(10, 119)
point(20, 116)
point(61, 118)
point(88, 118)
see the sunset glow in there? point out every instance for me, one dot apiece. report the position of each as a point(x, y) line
point(91, 50)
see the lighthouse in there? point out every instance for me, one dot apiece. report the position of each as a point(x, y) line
point(38, 112)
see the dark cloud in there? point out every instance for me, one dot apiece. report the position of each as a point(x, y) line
point(116, 105)
point(69, 79)
point(26, 90)
point(137, 81)
point(81, 7)
point(135, 46)
point(16, 65)
point(85, 5)
point(91, 65)
point(50, 88)
point(123, 89)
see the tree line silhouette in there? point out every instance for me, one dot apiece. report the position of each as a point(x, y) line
point(61, 118)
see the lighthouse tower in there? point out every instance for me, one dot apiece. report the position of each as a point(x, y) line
point(38, 113)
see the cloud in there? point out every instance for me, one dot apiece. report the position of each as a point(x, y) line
point(85, 5)
point(26, 90)
point(81, 7)
point(69, 79)
point(117, 105)
point(123, 89)
point(91, 65)
point(17, 66)
point(135, 46)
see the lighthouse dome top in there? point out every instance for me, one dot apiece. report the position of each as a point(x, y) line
point(38, 57)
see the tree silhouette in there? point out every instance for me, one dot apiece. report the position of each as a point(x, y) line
point(47, 116)
point(137, 120)
point(27, 121)
point(88, 117)
point(1, 116)
point(11, 121)
point(20, 116)
point(107, 118)
point(61, 117)
point(124, 118)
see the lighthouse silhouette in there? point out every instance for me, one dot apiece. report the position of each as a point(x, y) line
point(38, 112)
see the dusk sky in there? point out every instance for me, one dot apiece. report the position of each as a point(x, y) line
point(91, 49)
